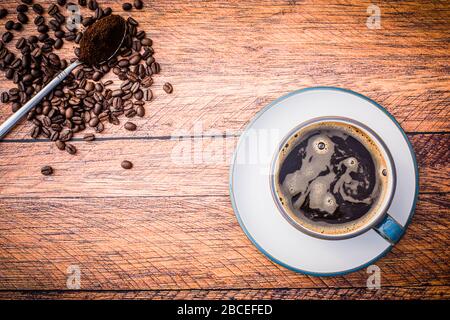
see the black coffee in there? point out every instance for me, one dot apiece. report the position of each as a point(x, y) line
point(330, 174)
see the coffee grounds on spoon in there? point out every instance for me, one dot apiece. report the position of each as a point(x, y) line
point(102, 39)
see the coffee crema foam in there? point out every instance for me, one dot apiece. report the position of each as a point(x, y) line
point(331, 177)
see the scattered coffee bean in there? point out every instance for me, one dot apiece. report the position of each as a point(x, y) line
point(92, 5)
point(38, 8)
point(61, 145)
point(17, 26)
point(5, 97)
point(138, 4)
point(148, 95)
point(3, 13)
point(58, 44)
point(22, 8)
point(35, 132)
point(53, 10)
point(22, 17)
point(130, 126)
point(87, 21)
point(89, 137)
point(126, 6)
point(155, 67)
point(70, 148)
point(9, 25)
point(46, 170)
point(140, 111)
point(7, 37)
point(126, 164)
point(146, 42)
point(168, 87)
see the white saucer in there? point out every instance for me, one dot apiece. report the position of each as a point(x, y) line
point(250, 190)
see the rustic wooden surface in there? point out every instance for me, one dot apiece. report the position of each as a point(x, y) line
point(166, 229)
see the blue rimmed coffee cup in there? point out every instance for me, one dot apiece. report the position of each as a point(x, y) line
point(377, 218)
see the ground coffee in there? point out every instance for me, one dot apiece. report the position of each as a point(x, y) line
point(102, 39)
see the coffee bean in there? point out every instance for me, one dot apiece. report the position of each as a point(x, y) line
point(92, 5)
point(126, 164)
point(61, 145)
point(135, 87)
point(138, 4)
point(7, 37)
point(135, 59)
point(155, 68)
point(148, 95)
point(100, 127)
point(65, 135)
point(9, 25)
point(130, 113)
point(54, 136)
point(94, 122)
point(22, 17)
point(21, 43)
point(3, 13)
point(46, 170)
point(130, 126)
point(146, 42)
point(58, 44)
point(61, 2)
point(42, 28)
point(35, 132)
point(117, 93)
point(97, 76)
point(126, 85)
point(39, 20)
point(89, 137)
point(22, 8)
point(52, 10)
point(168, 87)
point(147, 82)
point(126, 6)
point(87, 21)
point(5, 97)
point(60, 34)
point(140, 111)
point(38, 8)
point(138, 95)
point(17, 26)
point(123, 63)
point(70, 148)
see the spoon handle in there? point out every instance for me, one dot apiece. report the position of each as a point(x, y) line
point(12, 120)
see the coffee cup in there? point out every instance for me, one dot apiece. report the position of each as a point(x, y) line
point(334, 178)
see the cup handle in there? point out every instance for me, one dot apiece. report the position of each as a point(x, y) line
point(389, 229)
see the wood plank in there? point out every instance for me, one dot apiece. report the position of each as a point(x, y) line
point(235, 58)
point(160, 168)
point(389, 293)
point(164, 243)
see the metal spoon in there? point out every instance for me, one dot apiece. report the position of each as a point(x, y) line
point(12, 120)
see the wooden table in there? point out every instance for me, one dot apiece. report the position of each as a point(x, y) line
point(166, 229)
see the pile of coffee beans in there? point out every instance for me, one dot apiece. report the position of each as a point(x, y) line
point(83, 99)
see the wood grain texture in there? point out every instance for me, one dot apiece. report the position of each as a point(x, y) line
point(228, 59)
point(396, 293)
point(162, 167)
point(173, 243)
point(166, 229)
